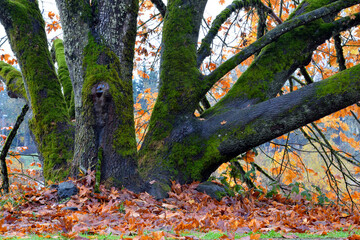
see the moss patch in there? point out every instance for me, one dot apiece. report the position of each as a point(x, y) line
point(121, 92)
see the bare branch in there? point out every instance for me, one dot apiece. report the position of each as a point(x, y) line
point(339, 52)
point(204, 49)
point(160, 5)
point(9, 139)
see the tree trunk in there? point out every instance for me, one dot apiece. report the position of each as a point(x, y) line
point(99, 41)
point(50, 124)
point(184, 148)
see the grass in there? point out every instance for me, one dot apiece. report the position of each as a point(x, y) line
point(209, 235)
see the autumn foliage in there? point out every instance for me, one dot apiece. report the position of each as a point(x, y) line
point(296, 194)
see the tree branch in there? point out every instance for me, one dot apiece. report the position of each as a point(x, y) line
point(272, 35)
point(234, 131)
point(160, 6)
point(204, 49)
point(13, 81)
point(4, 151)
point(4, 15)
point(339, 52)
point(58, 55)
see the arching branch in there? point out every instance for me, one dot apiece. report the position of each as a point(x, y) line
point(272, 35)
point(204, 49)
point(245, 128)
point(160, 5)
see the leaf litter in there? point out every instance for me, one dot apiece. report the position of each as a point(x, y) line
point(123, 213)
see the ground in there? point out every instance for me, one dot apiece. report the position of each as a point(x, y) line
point(186, 214)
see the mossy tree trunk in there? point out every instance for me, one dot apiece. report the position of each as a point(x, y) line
point(50, 124)
point(99, 39)
point(184, 148)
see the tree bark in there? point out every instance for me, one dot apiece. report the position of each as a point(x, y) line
point(99, 40)
point(50, 124)
point(13, 81)
point(184, 148)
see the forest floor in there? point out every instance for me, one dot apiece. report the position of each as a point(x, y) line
point(186, 214)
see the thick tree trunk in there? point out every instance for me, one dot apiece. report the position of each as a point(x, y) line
point(99, 40)
point(178, 93)
point(50, 124)
point(184, 148)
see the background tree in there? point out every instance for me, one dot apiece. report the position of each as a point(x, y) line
point(99, 38)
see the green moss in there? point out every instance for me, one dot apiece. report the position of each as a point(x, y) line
point(13, 79)
point(98, 169)
point(274, 60)
point(83, 8)
point(182, 158)
point(339, 83)
point(179, 70)
point(64, 76)
point(50, 123)
point(121, 92)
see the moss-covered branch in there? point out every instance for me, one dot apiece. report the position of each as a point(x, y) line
point(64, 75)
point(13, 81)
point(274, 34)
point(253, 126)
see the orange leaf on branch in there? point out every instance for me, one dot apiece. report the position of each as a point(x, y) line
point(249, 157)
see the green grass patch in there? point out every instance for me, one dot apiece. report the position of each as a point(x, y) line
point(208, 235)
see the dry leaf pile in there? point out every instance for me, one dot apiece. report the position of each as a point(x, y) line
point(124, 213)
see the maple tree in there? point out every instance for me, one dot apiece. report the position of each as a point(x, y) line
point(187, 137)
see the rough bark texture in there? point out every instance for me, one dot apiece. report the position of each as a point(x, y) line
point(174, 106)
point(100, 66)
point(24, 26)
